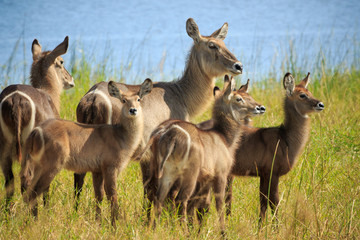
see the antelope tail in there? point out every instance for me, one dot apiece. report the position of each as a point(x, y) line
point(169, 151)
point(17, 121)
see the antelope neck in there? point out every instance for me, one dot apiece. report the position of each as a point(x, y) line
point(296, 128)
point(196, 86)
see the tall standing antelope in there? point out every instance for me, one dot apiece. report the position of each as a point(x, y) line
point(102, 149)
point(259, 147)
point(189, 156)
point(206, 125)
point(182, 99)
point(23, 107)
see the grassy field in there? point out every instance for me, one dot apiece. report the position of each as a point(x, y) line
point(319, 198)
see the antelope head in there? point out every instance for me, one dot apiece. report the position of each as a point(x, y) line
point(50, 63)
point(243, 92)
point(211, 51)
point(238, 103)
point(130, 100)
point(302, 99)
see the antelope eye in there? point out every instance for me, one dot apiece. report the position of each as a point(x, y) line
point(123, 101)
point(138, 99)
point(239, 99)
point(302, 95)
point(61, 62)
point(212, 45)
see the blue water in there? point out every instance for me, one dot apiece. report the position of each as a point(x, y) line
point(150, 37)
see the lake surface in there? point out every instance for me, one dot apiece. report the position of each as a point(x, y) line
point(150, 37)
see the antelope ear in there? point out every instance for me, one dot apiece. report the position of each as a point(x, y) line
point(289, 84)
point(114, 91)
point(221, 32)
point(245, 87)
point(193, 30)
point(228, 90)
point(59, 50)
point(145, 88)
point(233, 82)
point(35, 49)
point(216, 91)
point(305, 81)
point(226, 81)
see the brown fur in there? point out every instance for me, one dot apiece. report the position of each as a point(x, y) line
point(180, 99)
point(255, 154)
point(103, 150)
point(247, 120)
point(24, 107)
point(185, 156)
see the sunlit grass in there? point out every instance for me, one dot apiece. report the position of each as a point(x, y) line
point(319, 198)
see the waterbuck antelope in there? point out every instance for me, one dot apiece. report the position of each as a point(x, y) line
point(206, 125)
point(196, 159)
point(182, 99)
point(103, 150)
point(247, 120)
point(23, 107)
point(263, 151)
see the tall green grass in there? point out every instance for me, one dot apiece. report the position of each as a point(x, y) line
point(319, 198)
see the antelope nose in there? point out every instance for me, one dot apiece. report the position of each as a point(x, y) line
point(258, 109)
point(262, 109)
point(68, 85)
point(238, 67)
point(71, 83)
point(133, 111)
point(320, 106)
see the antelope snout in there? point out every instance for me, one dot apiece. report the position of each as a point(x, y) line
point(238, 67)
point(69, 85)
point(133, 111)
point(262, 109)
point(259, 110)
point(320, 106)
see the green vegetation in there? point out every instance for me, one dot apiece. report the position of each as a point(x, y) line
point(319, 198)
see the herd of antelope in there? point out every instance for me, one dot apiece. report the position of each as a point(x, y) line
point(182, 163)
